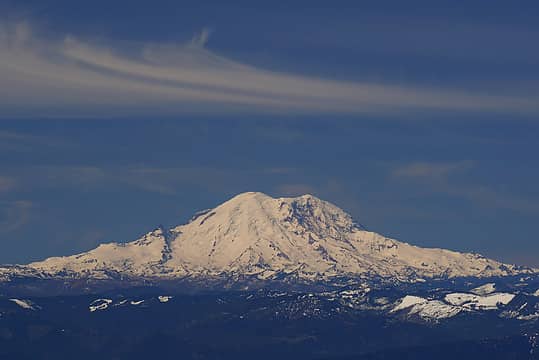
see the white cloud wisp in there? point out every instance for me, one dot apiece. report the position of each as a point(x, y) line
point(70, 77)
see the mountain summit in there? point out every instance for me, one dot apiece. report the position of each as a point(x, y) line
point(259, 236)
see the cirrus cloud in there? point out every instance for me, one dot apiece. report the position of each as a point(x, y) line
point(426, 170)
point(6, 183)
point(14, 214)
point(70, 77)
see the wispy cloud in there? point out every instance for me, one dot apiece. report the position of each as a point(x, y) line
point(71, 77)
point(6, 183)
point(490, 198)
point(295, 189)
point(25, 142)
point(430, 171)
point(450, 179)
point(159, 180)
point(14, 214)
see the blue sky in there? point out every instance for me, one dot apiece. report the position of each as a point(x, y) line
point(420, 120)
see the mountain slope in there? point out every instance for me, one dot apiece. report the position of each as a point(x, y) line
point(256, 235)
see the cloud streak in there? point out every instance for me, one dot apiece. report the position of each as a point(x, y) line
point(70, 77)
point(158, 180)
point(429, 171)
point(14, 215)
point(6, 183)
point(441, 179)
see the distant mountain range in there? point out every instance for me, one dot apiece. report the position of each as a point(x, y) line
point(257, 237)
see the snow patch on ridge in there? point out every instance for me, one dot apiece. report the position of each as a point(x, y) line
point(409, 301)
point(25, 304)
point(99, 304)
point(451, 305)
point(484, 289)
point(426, 309)
point(477, 302)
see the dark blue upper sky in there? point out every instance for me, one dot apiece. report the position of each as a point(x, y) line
point(117, 117)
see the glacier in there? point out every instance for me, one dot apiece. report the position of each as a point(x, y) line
point(254, 235)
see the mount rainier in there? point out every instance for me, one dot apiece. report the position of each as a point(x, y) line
point(256, 236)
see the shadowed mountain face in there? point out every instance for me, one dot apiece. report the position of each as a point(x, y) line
point(257, 236)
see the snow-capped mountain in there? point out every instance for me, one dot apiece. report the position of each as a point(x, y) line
point(259, 236)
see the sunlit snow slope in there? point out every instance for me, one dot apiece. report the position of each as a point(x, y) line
point(254, 234)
